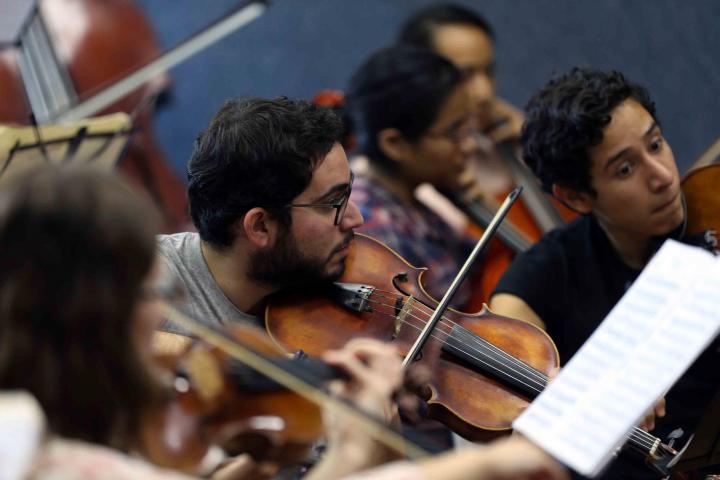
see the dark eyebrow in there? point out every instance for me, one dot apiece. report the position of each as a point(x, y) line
point(651, 130)
point(340, 187)
point(653, 127)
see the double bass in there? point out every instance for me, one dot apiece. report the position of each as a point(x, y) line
point(46, 77)
point(71, 49)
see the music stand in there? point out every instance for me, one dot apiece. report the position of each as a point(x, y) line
point(704, 448)
point(98, 142)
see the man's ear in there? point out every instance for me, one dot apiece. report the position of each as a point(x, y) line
point(581, 202)
point(259, 227)
point(394, 144)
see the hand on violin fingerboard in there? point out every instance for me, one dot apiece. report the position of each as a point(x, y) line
point(376, 375)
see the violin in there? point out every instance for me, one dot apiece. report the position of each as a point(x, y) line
point(216, 400)
point(485, 368)
point(237, 389)
point(381, 296)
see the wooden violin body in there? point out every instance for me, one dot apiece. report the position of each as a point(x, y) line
point(700, 188)
point(485, 369)
point(476, 405)
point(217, 401)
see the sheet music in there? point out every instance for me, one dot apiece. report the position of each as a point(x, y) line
point(664, 321)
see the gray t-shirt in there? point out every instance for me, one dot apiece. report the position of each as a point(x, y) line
point(206, 302)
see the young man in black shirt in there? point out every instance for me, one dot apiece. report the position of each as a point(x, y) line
point(594, 141)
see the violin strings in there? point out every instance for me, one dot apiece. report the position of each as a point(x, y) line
point(640, 436)
point(497, 353)
point(493, 352)
point(530, 371)
point(479, 359)
point(638, 432)
point(635, 434)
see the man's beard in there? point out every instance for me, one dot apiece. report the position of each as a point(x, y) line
point(285, 266)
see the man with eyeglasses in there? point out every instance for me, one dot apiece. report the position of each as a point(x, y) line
point(269, 193)
point(269, 187)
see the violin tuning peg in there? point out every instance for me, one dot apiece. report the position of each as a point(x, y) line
point(674, 435)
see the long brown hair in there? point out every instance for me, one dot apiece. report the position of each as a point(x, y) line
point(75, 247)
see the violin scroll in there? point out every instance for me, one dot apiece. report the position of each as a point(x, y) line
point(700, 186)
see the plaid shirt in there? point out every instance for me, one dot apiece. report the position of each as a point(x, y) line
point(417, 234)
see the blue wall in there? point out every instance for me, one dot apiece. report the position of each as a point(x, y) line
point(301, 46)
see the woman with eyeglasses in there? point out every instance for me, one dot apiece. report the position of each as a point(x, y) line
point(414, 123)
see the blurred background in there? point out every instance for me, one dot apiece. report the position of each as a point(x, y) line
point(299, 47)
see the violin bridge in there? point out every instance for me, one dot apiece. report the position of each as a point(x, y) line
point(402, 309)
point(654, 448)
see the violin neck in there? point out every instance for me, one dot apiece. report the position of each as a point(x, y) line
point(312, 371)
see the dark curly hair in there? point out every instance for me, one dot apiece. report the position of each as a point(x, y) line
point(566, 117)
point(419, 29)
point(255, 153)
point(400, 87)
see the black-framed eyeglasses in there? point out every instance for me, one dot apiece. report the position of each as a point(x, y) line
point(340, 206)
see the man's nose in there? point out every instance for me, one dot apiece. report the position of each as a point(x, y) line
point(352, 218)
point(662, 173)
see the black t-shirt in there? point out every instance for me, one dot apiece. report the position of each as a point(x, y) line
point(572, 278)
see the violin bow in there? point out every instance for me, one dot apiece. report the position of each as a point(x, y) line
point(445, 302)
point(233, 347)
